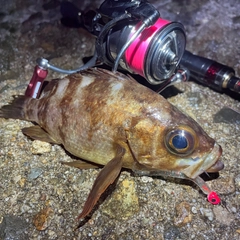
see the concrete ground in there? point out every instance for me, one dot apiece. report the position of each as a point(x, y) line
point(40, 198)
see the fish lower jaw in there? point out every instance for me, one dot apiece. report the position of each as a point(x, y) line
point(208, 163)
point(218, 166)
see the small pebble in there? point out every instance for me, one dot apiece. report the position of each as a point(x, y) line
point(39, 147)
point(233, 209)
point(52, 234)
point(194, 210)
point(22, 182)
point(226, 130)
point(17, 178)
point(91, 221)
point(34, 174)
point(24, 208)
point(146, 179)
point(237, 181)
point(183, 214)
point(208, 213)
point(42, 219)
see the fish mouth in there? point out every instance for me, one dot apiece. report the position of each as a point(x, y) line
point(208, 163)
point(218, 165)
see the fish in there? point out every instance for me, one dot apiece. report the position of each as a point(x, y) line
point(108, 119)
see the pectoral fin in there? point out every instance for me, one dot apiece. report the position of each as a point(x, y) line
point(37, 133)
point(106, 177)
point(81, 164)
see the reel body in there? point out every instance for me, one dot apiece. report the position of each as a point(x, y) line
point(154, 52)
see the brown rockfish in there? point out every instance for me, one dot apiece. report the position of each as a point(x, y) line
point(109, 119)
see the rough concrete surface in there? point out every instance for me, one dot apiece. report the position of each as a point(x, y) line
point(40, 198)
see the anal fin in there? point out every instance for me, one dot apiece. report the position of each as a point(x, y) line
point(106, 177)
point(37, 133)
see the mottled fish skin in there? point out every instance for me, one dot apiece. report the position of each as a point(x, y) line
point(95, 112)
point(91, 111)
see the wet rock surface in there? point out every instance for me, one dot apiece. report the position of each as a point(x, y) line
point(227, 115)
point(49, 201)
point(13, 227)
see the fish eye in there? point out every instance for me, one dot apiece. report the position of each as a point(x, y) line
point(181, 140)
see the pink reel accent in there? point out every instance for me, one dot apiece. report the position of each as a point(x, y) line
point(34, 87)
point(137, 51)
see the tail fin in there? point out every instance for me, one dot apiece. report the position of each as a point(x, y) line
point(15, 109)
